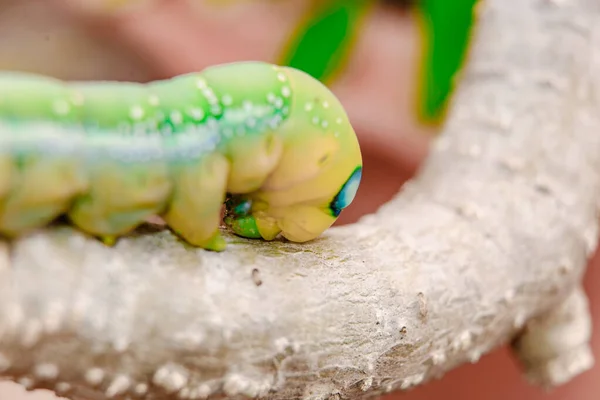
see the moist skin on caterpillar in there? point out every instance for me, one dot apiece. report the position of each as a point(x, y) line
point(111, 154)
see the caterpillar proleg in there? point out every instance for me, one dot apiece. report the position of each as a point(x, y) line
point(271, 142)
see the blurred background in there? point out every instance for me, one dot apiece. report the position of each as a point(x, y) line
point(392, 64)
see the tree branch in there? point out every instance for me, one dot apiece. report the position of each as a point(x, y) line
point(554, 347)
point(493, 233)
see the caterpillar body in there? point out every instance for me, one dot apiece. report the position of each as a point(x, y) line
point(271, 142)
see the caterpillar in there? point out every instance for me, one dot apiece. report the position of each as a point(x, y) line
point(271, 143)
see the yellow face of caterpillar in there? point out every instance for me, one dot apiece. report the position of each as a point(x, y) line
point(252, 217)
point(302, 222)
point(305, 194)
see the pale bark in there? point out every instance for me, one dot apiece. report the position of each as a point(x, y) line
point(493, 235)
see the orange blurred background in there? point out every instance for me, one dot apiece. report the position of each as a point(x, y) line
point(78, 39)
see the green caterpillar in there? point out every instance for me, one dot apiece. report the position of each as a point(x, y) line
point(270, 142)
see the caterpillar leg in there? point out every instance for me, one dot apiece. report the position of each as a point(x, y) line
point(253, 158)
point(120, 197)
point(43, 188)
point(195, 209)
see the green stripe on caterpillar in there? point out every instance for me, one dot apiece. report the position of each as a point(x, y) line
point(271, 142)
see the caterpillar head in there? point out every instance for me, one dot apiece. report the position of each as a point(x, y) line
point(252, 217)
point(317, 176)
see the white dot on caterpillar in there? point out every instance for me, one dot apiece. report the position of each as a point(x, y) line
point(338, 120)
point(77, 98)
point(227, 100)
point(271, 97)
point(325, 104)
point(61, 107)
point(278, 102)
point(336, 134)
point(315, 120)
point(201, 83)
point(210, 95)
point(324, 124)
point(247, 105)
point(153, 100)
point(308, 106)
point(136, 112)
point(196, 113)
point(215, 109)
point(281, 77)
point(286, 91)
point(176, 117)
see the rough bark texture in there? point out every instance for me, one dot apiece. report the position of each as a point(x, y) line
point(491, 237)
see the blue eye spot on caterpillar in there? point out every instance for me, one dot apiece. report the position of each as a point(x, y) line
point(272, 143)
point(347, 193)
